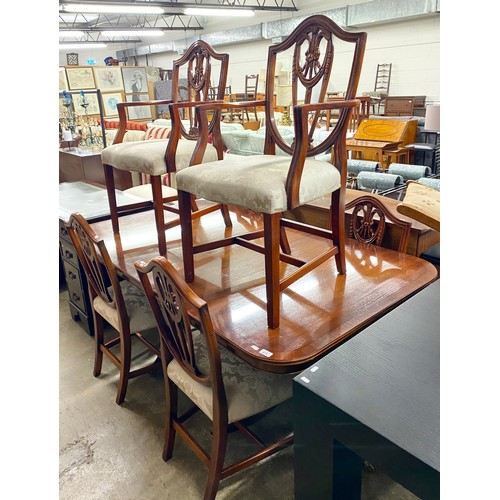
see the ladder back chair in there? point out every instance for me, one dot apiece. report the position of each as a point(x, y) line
point(269, 184)
point(155, 158)
point(224, 387)
point(120, 304)
point(369, 221)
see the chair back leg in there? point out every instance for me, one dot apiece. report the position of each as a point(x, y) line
point(272, 267)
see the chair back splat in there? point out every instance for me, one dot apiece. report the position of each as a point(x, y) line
point(157, 161)
point(369, 220)
point(224, 387)
point(118, 303)
point(271, 184)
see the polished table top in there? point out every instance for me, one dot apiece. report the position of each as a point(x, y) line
point(318, 312)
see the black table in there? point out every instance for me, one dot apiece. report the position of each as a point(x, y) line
point(374, 398)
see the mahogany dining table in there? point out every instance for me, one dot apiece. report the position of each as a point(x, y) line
point(319, 312)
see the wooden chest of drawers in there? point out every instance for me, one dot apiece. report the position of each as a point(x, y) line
point(74, 275)
point(405, 106)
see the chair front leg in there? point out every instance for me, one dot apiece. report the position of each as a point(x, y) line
point(272, 265)
point(186, 234)
point(337, 223)
point(159, 213)
point(110, 188)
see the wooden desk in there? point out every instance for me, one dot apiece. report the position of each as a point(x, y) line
point(373, 150)
point(376, 398)
point(319, 311)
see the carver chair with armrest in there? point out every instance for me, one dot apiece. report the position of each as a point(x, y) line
point(118, 303)
point(270, 184)
point(153, 158)
point(224, 387)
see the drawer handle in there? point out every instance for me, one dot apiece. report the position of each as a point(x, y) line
point(68, 254)
point(75, 297)
point(64, 231)
point(72, 275)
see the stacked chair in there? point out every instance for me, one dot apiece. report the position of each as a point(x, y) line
point(155, 158)
point(269, 184)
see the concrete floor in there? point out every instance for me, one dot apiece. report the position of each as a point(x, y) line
point(111, 452)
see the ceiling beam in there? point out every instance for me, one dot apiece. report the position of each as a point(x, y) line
point(263, 5)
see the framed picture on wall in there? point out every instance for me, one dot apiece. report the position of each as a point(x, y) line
point(138, 112)
point(109, 102)
point(80, 78)
point(93, 104)
point(63, 81)
point(135, 80)
point(109, 78)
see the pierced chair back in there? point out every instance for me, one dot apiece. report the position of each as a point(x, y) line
point(195, 66)
point(212, 377)
point(97, 264)
point(120, 304)
point(311, 50)
point(369, 220)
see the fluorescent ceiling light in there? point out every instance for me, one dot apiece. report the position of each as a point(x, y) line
point(141, 33)
point(64, 46)
point(219, 12)
point(112, 9)
point(70, 34)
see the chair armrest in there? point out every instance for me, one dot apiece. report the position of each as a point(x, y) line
point(194, 133)
point(122, 115)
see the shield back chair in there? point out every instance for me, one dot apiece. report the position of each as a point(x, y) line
point(154, 158)
point(224, 387)
point(369, 220)
point(118, 303)
point(269, 184)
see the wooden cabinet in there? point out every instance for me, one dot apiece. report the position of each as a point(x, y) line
point(75, 165)
point(405, 105)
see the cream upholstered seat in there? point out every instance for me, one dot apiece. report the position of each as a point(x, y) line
point(148, 157)
point(119, 303)
point(271, 184)
point(220, 384)
point(258, 182)
point(154, 158)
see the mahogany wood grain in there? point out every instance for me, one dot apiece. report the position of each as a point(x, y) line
point(318, 312)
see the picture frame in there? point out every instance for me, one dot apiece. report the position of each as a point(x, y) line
point(80, 78)
point(92, 108)
point(109, 102)
point(135, 79)
point(138, 112)
point(109, 78)
point(63, 80)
